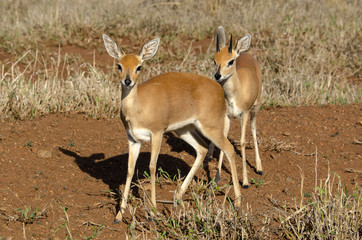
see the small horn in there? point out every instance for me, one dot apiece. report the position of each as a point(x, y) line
point(231, 43)
point(217, 43)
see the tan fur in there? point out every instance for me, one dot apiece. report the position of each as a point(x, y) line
point(172, 101)
point(242, 85)
point(129, 64)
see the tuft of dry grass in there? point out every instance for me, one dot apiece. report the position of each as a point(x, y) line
point(330, 212)
point(205, 215)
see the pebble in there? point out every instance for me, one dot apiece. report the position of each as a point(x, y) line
point(44, 153)
point(289, 179)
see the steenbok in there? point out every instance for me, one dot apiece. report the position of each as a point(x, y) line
point(239, 74)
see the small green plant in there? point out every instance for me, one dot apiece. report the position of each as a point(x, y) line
point(163, 173)
point(258, 182)
point(65, 223)
point(147, 175)
point(28, 144)
point(95, 232)
point(165, 177)
point(27, 215)
point(71, 144)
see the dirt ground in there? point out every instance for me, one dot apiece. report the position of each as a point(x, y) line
point(72, 161)
point(63, 166)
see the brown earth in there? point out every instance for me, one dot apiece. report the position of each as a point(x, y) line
point(72, 160)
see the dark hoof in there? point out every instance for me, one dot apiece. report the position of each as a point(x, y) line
point(260, 173)
point(245, 186)
point(116, 221)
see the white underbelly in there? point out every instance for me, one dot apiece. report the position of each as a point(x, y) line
point(144, 135)
point(179, 125)
point(140, 134)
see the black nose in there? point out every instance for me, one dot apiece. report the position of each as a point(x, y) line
point(217, 76)
point(127, 82)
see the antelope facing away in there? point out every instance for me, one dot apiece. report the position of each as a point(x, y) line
point(180, 102)
point(240, 76)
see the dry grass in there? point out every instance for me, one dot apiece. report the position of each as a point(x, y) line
point(86, 91)
point(309, 51)
point(330, 212)
point(208, 213)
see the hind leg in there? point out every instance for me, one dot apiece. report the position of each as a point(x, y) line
point(216, 134)
point(243, 123)
point(259, 168)
point(190, 136)
point(221, 156)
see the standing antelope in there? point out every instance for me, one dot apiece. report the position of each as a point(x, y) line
point(240, 76)
point(171, 101)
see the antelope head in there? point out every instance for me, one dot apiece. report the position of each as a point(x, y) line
point(225, 57)
point(130, 65)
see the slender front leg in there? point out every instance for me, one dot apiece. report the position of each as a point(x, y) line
point(133, 152)
point(156, 146)
point(243, 123)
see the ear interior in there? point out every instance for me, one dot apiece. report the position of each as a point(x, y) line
point(111, 47)
point(243, 44)
point(149, 49)
point(221, 35)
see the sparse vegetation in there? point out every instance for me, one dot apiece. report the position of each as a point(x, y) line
point(258, 182)
point(28, 144)
point(26, 215)
point(328, 213)
point(204, 216)
point(308, 50)
point(65, 223)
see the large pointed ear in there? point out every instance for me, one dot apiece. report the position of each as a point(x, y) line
point(111, 47)
point(243, 44)
point(221, 38)
point(149, 49)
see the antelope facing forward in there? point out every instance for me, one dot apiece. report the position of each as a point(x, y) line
point(240, 76)
point(182, 102)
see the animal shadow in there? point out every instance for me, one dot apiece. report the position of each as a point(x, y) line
point(113, 171)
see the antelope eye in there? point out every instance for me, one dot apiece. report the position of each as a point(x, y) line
point(230, 63)
point(119, 67)
point(215, 62)
point(138, 68)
